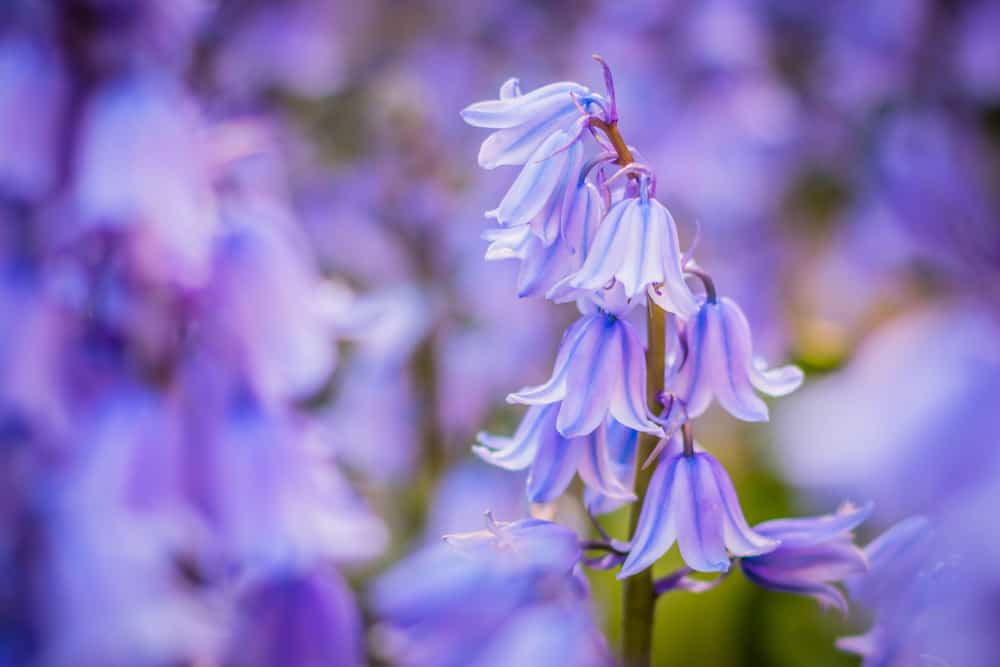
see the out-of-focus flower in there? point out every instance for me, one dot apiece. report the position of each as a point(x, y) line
point(552, 458)
point(299, 617)
point(478, 600)
point(719, 363)
point(636, 245)
point(813, 554)
point(600, 370)
point(691, 500)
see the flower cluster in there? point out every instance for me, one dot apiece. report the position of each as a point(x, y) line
point(587, 227)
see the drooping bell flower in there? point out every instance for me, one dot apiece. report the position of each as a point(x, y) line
point(552, 458)
point(720, 364)
point(543, 266)
point(622, 443)
point(814, 554)
point(636, 245)
point(523, 122)
point(691, 501)
point(600, 370)
point(538, 195)
point(295, 617)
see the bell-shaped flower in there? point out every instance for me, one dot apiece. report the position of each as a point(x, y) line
point(523, 122)
point(719, 363)
point(814, 554)
point(600, 370)
point(543, 266)
point(637, 246)
point(553, 458)
point(539, 193)
point(691, 500)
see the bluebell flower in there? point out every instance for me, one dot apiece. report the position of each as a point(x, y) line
point(523, 122)
point(296, 616)
point(538, 195)
point(600, 370)
point(637, 246)
point(542, 266)
point(719, 363)
point(552, 458)
point(691, 500)
point(813, 554)
point(507, 595)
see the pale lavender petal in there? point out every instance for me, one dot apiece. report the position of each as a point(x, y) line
point(596, 469)
point(517, 452)
point(548, 222)
point(581, 217)
point(628, 398)
point(642, 265)
point(674, 296)
point(729, 352)
point(812, 530)
point(512, 110)
point(692, 382)
point(657, 527)
point(775, 381)
point(555, 388)
point(509, 243)
point(622, 442)
point(606, 254)
point(826, 594)
point(553, 468)
point(740, 538)
point(700, 513)
point(593, 373)
point(534, 186)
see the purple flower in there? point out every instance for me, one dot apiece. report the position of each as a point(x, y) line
point(813, 554)
point(524, 122)
point(691, 500)
point(528, 543)
point(306, 618)
point(637, 246)
point(600, 370)
point(553, 458)
point(622, 443)
point(539, 193)
point(543, 266)
point(719, 364)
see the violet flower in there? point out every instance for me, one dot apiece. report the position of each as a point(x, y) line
point(553, 458)
point(523, 122)
point(637, 246)
point(719, 363)
point(599, 371)
point(813, 554)
point(538, 194)
point(691, 500)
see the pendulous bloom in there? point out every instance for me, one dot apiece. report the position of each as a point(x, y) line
point(814, 554)
point(637, 246)
point(553, 458)
point(691, 500)
point(719, 363)
point(523, 122)
point(600, 370)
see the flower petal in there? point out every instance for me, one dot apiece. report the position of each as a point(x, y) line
point(729, 350)
point(553, 468)
point(812, 530)
point(700, 515)
point(517, 452)
point(775, 381)
point(740, 538)
point(628, 401)
point(692, 383)
point(657, 528)
point(512, 110)
point(534, 185)
point(596, 469)
point(674, 296)
point(548, 222)
point(826, 594)
point(509, 243)
point(593, 373)
point(555, 388)
point(606, 254)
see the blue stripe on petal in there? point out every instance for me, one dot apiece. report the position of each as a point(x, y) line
point(740, 538)
point(628, 401)
point(517, 452)
point(591, 379)
point(700, 516)
point(731, 357)
point(555, 387)
point(656, 530)
point(596, 469)
point(553, 468)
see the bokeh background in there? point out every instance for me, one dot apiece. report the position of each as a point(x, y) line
point(841, 159)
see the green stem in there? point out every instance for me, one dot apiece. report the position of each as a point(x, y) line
point(639, 596)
